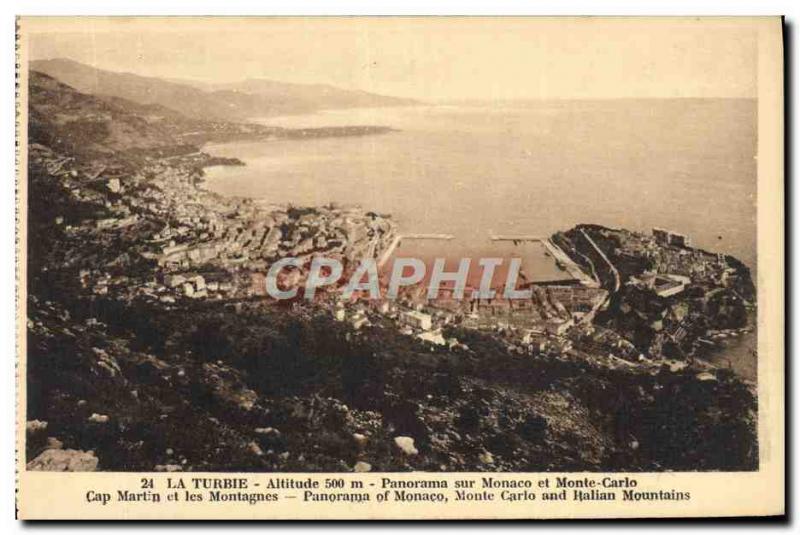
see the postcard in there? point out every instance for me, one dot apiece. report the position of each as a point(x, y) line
point(400, 268)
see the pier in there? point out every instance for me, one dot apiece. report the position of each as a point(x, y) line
point(516, 238)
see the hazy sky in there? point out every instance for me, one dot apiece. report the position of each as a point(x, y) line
point(439, 58)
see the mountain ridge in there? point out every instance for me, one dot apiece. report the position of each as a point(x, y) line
point(237, 101)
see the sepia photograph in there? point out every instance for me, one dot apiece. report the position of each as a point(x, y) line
point(400, 246)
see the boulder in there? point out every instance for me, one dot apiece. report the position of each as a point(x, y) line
point(34, 427)
point(406, 445)
point(168, 468)
point(98, 418)
point(361, 466)
point(58, 460)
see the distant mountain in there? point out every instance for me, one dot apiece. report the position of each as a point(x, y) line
point(237, 101)
point(312, 96)
point(83, 124)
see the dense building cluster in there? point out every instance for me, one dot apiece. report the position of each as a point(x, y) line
point(196, 243)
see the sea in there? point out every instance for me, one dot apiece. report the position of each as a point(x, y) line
point(475, 170)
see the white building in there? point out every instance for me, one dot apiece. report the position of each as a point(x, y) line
point(418, 320)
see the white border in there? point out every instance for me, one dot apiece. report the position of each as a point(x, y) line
point(297, 7)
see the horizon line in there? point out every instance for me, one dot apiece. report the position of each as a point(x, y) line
point(420, 100)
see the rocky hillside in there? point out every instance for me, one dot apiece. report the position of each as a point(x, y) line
point(204, 388)
point(76, 123)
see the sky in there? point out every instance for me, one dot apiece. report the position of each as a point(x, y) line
point(429, 59)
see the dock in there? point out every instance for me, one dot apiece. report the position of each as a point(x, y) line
point(562, 258)
point(426, 236)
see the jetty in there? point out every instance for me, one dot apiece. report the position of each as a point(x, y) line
point(503, 237)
